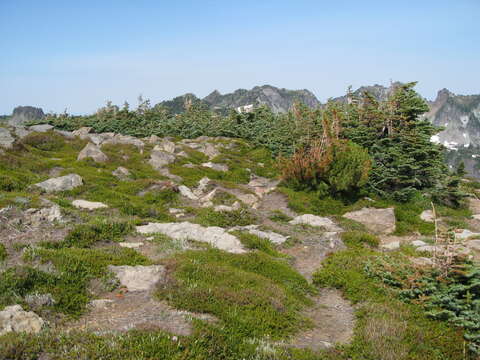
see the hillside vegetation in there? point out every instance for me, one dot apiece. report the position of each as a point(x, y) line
point(332, 233)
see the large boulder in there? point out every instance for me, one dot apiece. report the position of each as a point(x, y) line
point(24, 114)
point(62, 183)
point(92, 151)
point(213, 235)
point(41, 128)
point(14, 318)
point(125, 140)
point(380, 221)
point(318, 221)
point(160, 158)
point(138, 278)
point(6, 139)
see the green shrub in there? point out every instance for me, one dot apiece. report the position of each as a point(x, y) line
point(85, 235)
point(46, 141)
point(355, 238)
point(279, 216)
point(251, 241)
point(3, 252)
point(225, 219)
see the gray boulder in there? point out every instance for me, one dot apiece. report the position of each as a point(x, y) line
point(318, 221)
point(216, 166)
point(41, 128)
point(14, 318)
point(121, 173)
point(6, 139)
point(160, 158)
point(62, 183)
point(380, 221)
point(92, 151)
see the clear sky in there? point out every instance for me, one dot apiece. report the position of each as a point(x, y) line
point(78, 54)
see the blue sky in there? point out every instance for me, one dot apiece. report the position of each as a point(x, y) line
point(78, 54)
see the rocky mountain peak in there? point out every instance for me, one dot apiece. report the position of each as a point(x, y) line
point(23, 114)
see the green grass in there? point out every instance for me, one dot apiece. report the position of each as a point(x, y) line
point(253, 295)
point(353, 238)
point(75, 267)
point(225, 219)
point(280, 217)
point(253, 242)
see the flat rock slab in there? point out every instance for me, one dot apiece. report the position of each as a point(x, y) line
point(380, 221)
point(138, 278)
point(6, 139)
point(88, 205)
point(213, 235)
point(136, 310)
point(313, 220)
point(14, 318)
point(269, 235)
point(333, 318)
point(41, 128)
point(63, 183)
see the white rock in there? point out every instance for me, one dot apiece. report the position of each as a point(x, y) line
point(138, 278)
point(82, 131)
point(21, 132)
point(6, 139)
point(269, 235)
point(473, 245)
point(100, 303)
point(14, 318)
point(92, 151)
point(63, 183)
point(213, 235)
point(167, 146)
point(47, 214)
point(236, 206)
point(88, 205)
point(394, 245)
point(216, 166)
point(465, 234)
point(429, 248)
point(419, 243)
point(131, 245)
point(380, 221)
point(314, 220)
point(125, 140)
point(185, 191)
point(248, 199)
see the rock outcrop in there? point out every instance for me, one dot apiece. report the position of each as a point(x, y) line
point(6, 138)
point(138, 278)
point(92, 151)
point(24, 114)
point(14, 318)
point(213, 235)
point(63, 183)
point(380, 221)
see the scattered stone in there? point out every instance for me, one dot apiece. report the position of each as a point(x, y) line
point(21, 132)
point(14, 318)
point(121, 173)
point(248, 199)
point(152, 139)
point(47, 214)
point(100, 303)
point(236, 206)
point(262, 186)
point(82, 131)
point(55, 171)
point(216, 166)
point(131, 245)
point(125, 140)
point(165, 172)
point(427, 215)
point(314, 220)
point(160, 158)
point(92, 151)
point(167, 146)
point(394, 245)
point(202, 186)
point(269, 235)
point(419, 243)
point(88, 205)
point(67, 134)
point(6, 139)
point(213, 235)
point(473, 245)
point(185, 191)
point(41, 128)
point(189, 165)
point(380, 221)
point(63, 183)
point(138, 278)
point(463, 234)
point(37, 301)
point(422, 261)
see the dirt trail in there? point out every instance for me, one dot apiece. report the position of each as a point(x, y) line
point(135, 310)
